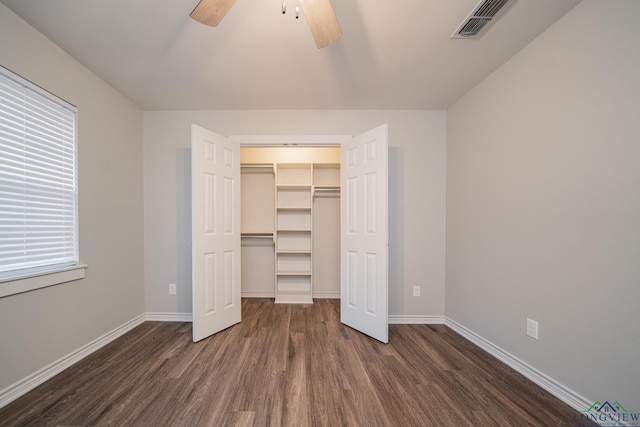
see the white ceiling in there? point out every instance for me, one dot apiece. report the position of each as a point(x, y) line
point(394, 54)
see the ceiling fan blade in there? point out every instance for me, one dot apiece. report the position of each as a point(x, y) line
point(322, 21)
point(211, 12)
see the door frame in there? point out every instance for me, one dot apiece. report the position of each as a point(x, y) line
point(289, 140)
point(303, 140)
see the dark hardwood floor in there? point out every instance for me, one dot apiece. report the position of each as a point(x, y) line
point(288, 365)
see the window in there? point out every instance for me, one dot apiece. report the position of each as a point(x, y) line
point(38, 181)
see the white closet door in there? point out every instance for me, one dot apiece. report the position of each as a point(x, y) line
point(364, 234)
point(215, 210)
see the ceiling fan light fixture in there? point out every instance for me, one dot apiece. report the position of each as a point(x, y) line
point(284, 8)
point(211, 12)
point(319, 15)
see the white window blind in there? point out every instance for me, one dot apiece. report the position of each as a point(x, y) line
point(38, 179)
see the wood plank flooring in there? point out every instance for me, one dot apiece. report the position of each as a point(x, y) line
point(288, 365)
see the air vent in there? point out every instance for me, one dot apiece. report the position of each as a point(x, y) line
point(472, 27)
point(481, 18)
point(489, 8)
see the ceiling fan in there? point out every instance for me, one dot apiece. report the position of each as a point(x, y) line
point(319, 13)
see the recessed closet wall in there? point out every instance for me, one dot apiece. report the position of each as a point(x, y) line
point(290, 223)
point(416, 195)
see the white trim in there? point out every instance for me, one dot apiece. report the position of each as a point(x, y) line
point(568, 396)
point(168, 317)
point(327, 295)
point(399, 319)
point(21, 387)
point(41, 279)
point(280, 140)
point(30, 382)
point(28, 257)
point(252, 294)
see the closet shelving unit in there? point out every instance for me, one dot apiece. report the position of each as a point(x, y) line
point(252, 229)
point(326, 179)
point(294, 237)
point(296, 186)
point(279, 201)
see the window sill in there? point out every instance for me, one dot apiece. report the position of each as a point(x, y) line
point(42, 279)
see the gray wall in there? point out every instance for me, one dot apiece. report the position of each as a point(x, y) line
point(543, 203)
point(543, 213)
point(416, 195)
point(39, 327)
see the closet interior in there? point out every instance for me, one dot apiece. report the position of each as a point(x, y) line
point(290, 225)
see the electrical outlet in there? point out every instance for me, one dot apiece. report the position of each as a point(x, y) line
point(172, 288)
point(416, 291)
point(532, 328)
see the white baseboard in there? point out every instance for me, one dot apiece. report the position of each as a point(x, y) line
point(399, 319)
point(560, 391)
point(568, 396)
point(258, 295)
point(27, 384)
point(320, 295)
point(327, 295)
point(168, 317)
